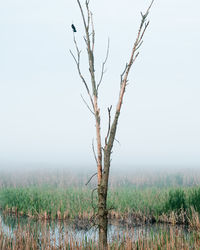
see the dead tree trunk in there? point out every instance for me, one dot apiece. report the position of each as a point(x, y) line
point(103, 173)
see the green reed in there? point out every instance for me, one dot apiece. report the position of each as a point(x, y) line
point(76, 202)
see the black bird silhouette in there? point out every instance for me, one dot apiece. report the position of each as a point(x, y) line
point(73, 28)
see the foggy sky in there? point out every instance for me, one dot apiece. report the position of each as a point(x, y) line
point(42, 117)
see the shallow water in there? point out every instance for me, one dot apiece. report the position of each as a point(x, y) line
point(55, 230)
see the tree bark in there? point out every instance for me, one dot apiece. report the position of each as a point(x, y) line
point(102, 217)
point(103, 188)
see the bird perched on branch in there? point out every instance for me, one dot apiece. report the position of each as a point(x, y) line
point(73, 28)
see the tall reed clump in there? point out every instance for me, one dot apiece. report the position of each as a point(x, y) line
point(176, 201)
point(194, 199)
point(45, 203)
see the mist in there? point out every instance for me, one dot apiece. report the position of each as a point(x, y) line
point(43, 121)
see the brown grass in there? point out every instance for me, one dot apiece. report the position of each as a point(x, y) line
point(27, 239)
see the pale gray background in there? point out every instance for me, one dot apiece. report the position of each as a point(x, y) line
point(42, 117)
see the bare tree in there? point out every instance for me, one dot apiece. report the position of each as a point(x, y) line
point(103, 150)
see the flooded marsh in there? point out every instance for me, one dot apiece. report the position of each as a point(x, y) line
point(49, 212)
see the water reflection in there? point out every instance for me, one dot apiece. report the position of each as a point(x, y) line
point(56, 231)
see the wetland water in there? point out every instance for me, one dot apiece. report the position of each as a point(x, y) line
point(56, 230)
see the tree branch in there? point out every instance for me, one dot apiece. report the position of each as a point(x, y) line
point(121, 76)
point(88, 14)
point(109, 121)
point(103, 65)
point(77, 61)
point(90, 179)
point(123, 84)
point(87, 105)
point(82, 13)
point(118, 142)
point(95, 157)
point(137, 44)
point(90, 53)
point(93, 32)
point(88, 43)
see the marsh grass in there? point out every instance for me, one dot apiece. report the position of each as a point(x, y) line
point(71, 203)
point(45, 202)
point(129, 205)
point(27, 238)
point(136, 198)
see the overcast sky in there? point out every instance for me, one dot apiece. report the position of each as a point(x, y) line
point(42, 117)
